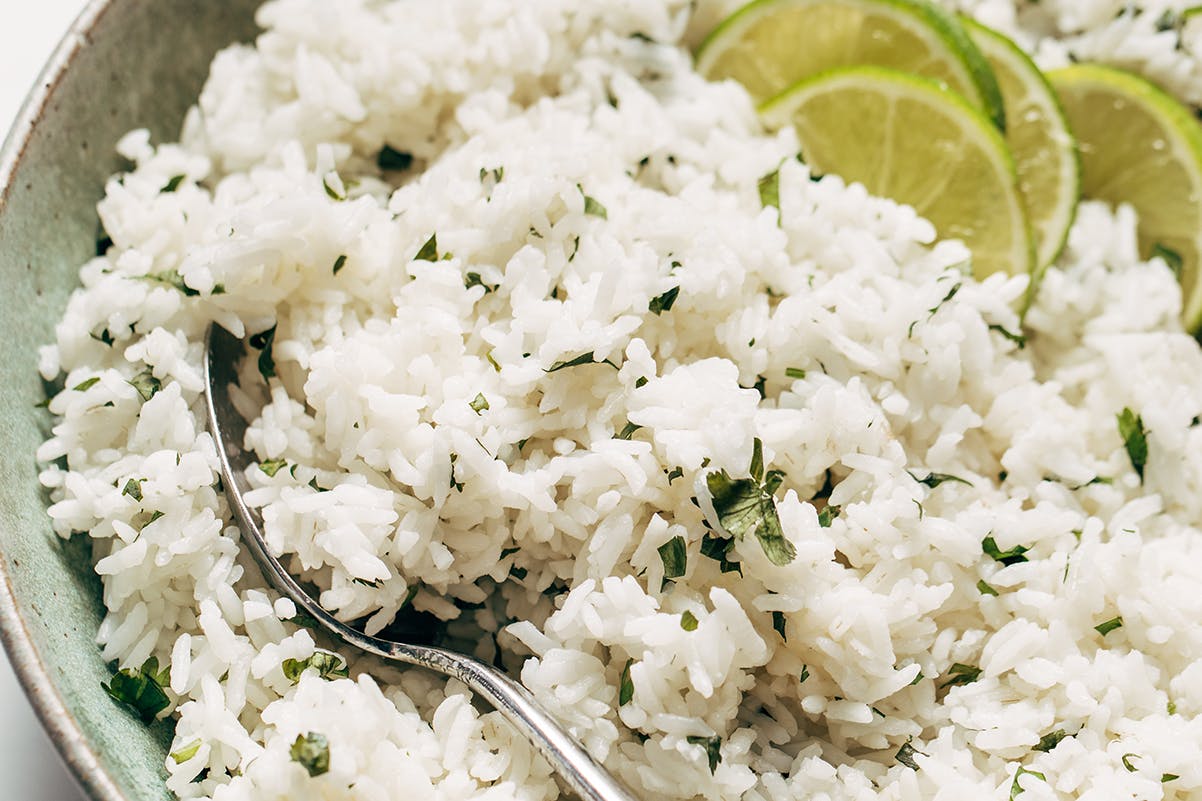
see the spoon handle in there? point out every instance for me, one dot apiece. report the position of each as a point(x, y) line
point(582, 774)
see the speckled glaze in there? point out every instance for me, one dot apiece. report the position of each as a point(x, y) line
point(125, 64)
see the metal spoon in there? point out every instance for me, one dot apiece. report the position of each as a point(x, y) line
point(573, 764)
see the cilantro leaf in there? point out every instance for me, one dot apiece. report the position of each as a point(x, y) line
point(187, 752)
point(778, 625)
point(1109, 626)
point(933, 480)
point(985, 589)
point(674, 556)
point(1017, 789)
point(272, 466)
point(173, 279)
point(84, 386)
point(1017, 339)
point(428, 251)
point(628, 431)
point(339, 263)
point(747, 505)
point(688, 621)
point(1135, 439)
point(264, 341)
point(389, 158)
point(625, 685)
point(1170, 257)
point(141, 689)
point(582, 359)
point(312, 752)
point(1050, 740)
point(146, 384)
point(480, 404)
point(1014, 556)
point(593, 208)
point(961, 674)
point(905, 755)
point(713, 749)
point(328, 665)
point(828, 515)
point(173, 184)
point(664, 302)
point(718, 548)
point(133, 488)
point(769, 188)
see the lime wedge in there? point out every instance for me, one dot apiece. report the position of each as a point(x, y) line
point(1045, 154)
point(1140, 146)
point(769, 45)
point(919, 143)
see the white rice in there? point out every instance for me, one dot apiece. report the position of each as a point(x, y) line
point(380, 365)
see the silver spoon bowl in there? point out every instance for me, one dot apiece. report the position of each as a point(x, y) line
point(576, 768)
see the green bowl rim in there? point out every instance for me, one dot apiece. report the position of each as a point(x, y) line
point(48, 703)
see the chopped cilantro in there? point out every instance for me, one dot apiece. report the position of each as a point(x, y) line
point(146, 384)
point(675, 473)
point(628, 431)
point(718, 548)
point(264, 342)
point(584, 358)
point(1014, 556)
point(688, 621)
point(479, 404)
point(1016, 789)
point(84, 386)
point(428, 251)
point(328, 665)
point(389, 158)
point(769, 188)
point(674, 556)
point(641, 382)
point(473, 279)
point(518, 573)
point(985, 589)
point(713, 749)
point(331, 192)
point(1168, 777)
point(104, 337)
point(1126, 759)
point(1051, 740)
point(187, 752)
point(1135, 439)
point(312, 752)
point(272, 466)
point(173, 184)
point(1109, 626)
point(747, 505)
point(339, 263)
point(141, 689)
point(664, 302)
point(933, 480)
point(625, 685)
point(795, 373)
point(961, 674)
point(1017, 339)
point(805, 674)
point(1171, 707)
point(1170, 257)
point(950, 294)
point(778, 625)
point(828, 515)
point(133, 488)
point(593, 207)
point(905, 755)
point(917, 679)
point(173, 279)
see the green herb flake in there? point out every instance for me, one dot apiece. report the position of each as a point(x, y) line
point(272, 466)
point(747, 505)
point(674, 556)
point(146, 384)
point(1171, 707)
point(828, 515)
point(133, 488)
point(664, 302)
point(984, 588)
point(331, 192)
point(187, 752)
point(778, 625)
point(688, 621)
point(1016, 789)
point(473, 280)
point(628, 431)
point(104, 337)
point(769, 189)
point(1017, 339)
point(582, 359)
point(173, 279)
point(905, 755)
point(1170, 257)
point(479, 404)
point(1168, 777)
point(428, 251)
point(1135, 439)
point(1014, 556)
point(796, 373)
point(805, 674)
point(141, 689)
point(718, 549)
point(959, 675)
point(933, 480)
point(389, 158)
point(339, 263)
point(951, 293)
point(1126, 759)
point(675, 473)
point(84, 386)
point(264, 342)
point(625, 685)
point(312, 752)
point(917, 679)
point(173, 184)
point(328, 665)
point(518, 573)
point(593, 208)
point(1050, 740)
point(713, 749)
point(1109, 626)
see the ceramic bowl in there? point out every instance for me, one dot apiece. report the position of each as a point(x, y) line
point(125, 64)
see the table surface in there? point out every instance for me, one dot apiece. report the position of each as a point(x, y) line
point(30, 769)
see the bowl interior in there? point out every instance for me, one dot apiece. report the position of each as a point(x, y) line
point(127, 64)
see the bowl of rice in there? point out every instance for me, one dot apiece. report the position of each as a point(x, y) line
point(579, 362)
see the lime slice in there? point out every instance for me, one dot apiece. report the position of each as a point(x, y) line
point(1140, 146)
point(1045, 154)
point(919, 143)
point(769, 45)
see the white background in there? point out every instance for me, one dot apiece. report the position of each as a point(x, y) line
point(30, 770)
